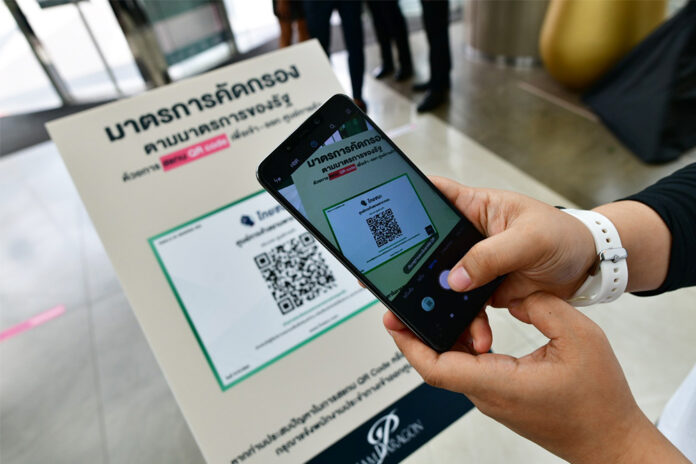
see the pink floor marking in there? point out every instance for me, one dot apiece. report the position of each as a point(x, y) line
point(32, 322)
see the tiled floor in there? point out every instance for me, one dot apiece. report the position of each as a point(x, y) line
point(85, 387)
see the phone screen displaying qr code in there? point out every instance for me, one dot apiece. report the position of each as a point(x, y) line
point(384, 227)
point(295, 272)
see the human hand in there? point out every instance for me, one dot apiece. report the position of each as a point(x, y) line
point(538, 246)
point(476, 338)
point(569, 396)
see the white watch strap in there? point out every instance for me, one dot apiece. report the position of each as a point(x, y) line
point(611, 276)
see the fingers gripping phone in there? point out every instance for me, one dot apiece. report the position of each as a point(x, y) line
point(342, 178)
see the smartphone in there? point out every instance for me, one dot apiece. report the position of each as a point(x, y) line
point(342, 178)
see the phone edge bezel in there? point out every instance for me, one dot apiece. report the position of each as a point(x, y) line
point(329, 247)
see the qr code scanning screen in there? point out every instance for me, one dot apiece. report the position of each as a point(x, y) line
point(380, 224)
point(295, 272)
point(384, 227)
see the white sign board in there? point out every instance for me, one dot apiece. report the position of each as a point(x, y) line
point(263, 371)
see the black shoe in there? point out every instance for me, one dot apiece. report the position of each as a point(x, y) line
point(432, 99)
point(424, 86)
point(403, 74)
point(421, 87)
point(382, 71)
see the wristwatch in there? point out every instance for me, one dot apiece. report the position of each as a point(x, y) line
point(609, 276)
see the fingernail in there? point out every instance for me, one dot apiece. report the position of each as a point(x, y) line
point(514, 303)
point(459, 279)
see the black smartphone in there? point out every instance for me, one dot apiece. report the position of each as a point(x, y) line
point(342, 178)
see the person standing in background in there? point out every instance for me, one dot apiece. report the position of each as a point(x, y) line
point(318, 15)
point(289, 12)
point(436, 24)
point(390, 25)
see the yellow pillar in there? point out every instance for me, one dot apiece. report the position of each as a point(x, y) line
point(581, 39)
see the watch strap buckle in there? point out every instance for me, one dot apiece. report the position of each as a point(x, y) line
point(613, 254)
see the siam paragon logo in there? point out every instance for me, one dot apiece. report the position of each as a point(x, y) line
point(385, 439)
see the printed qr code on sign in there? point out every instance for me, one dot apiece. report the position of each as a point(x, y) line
point(384, 227)
point(295, 272)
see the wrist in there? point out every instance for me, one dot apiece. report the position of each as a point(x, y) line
point(646, 445)
point(648, 241)
point(631, 447)
point(631, 440)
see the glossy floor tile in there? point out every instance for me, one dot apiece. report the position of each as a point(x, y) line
point(139, 409)
point(83, 387)
point(49, 399)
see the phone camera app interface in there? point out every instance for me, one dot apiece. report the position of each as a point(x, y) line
point(368, 201)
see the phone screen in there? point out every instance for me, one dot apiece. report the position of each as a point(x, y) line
point(375, 209)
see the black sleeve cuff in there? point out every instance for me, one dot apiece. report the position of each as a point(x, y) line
point(674, 200)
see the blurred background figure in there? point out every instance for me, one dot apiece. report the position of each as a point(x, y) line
point(318, 15)
point(290, 12)
point(390, 25)
point(436, 24)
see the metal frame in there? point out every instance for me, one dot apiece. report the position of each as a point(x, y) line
point(139, 34)
point(142, 42)
point(107, 67)
point(40, 53)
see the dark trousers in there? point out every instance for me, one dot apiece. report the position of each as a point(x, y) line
point(436, 24)
point(390, 25)
point(318, 14)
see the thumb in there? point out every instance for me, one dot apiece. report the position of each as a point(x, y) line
point(494, 256)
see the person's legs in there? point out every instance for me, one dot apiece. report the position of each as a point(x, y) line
point(381, 27)
point(436, 23)
point(285, 39)
point(428, 27)
point(399, 32)
point(302, 31)
point(318, 16)
point(351, 24)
